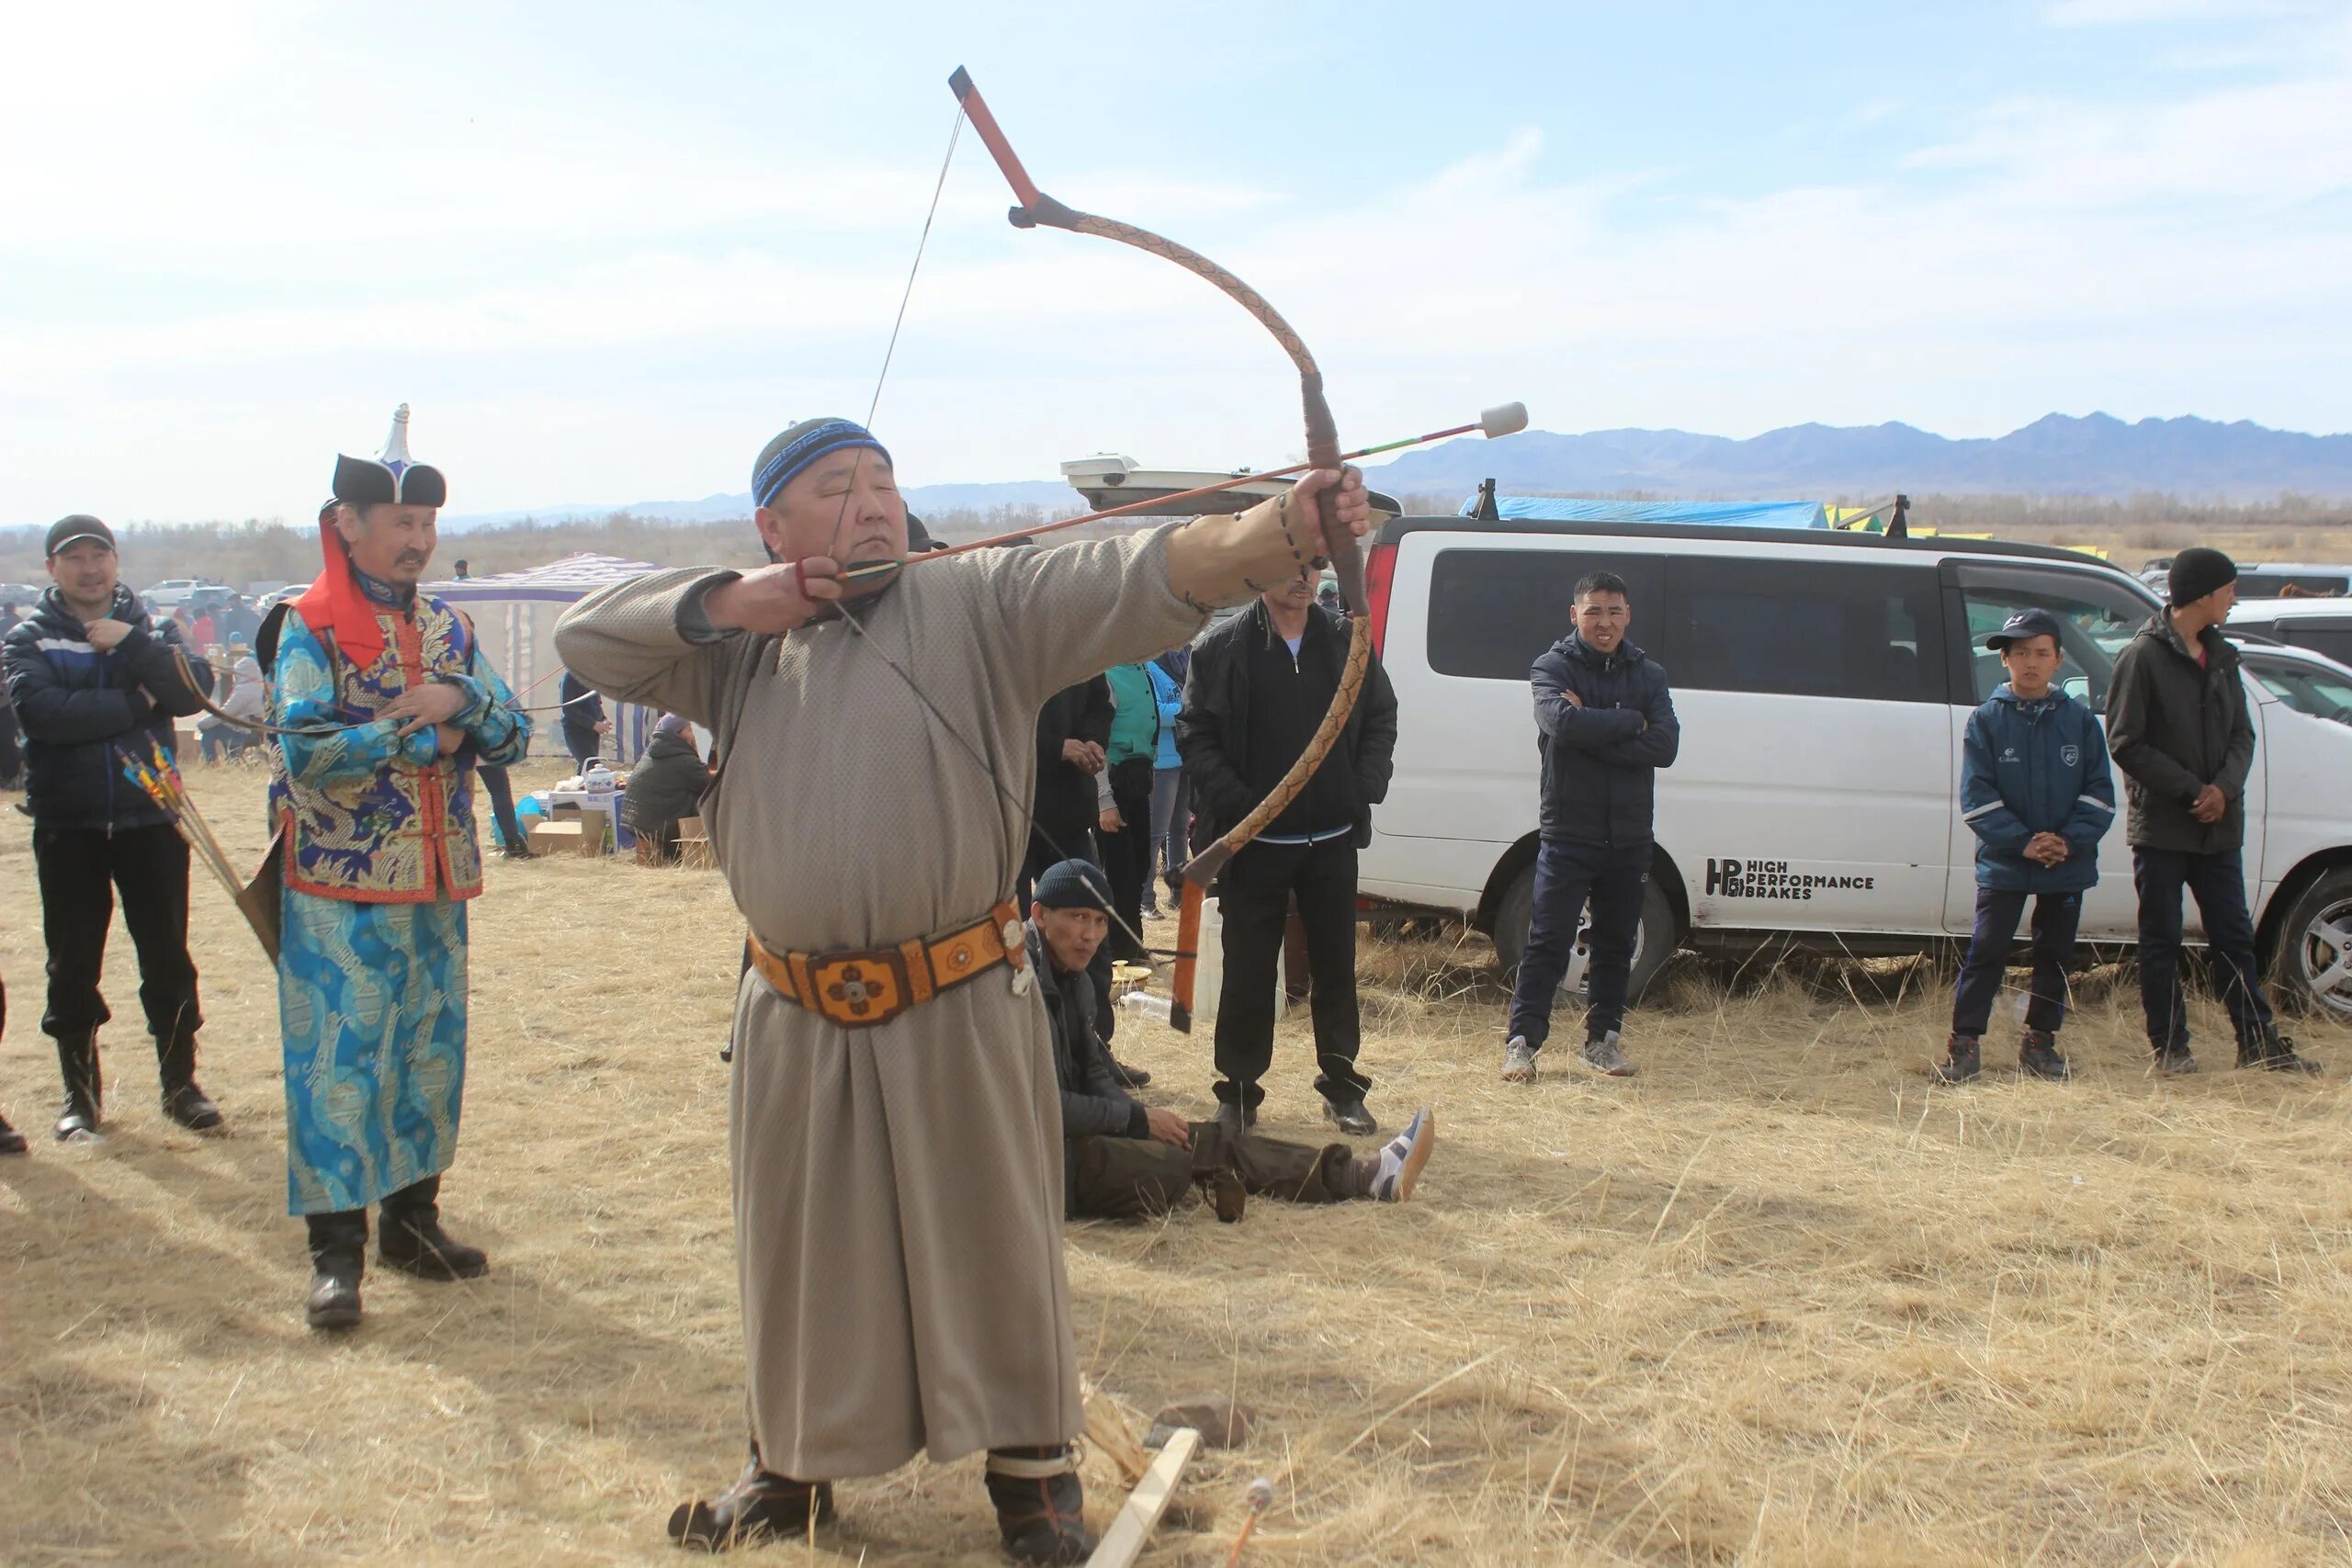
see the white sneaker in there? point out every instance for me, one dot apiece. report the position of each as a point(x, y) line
point(1402, 1158)
point(1519, 1061)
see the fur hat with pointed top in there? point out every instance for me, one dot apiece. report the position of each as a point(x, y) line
point(393, 479)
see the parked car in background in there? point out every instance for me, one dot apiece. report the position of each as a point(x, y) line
point(2305, 681)
point(1823, 680)
point(2324, 625)
point(2271, 580)
point(174, 591)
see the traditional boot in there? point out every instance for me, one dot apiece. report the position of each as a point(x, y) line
point(1963, 1059)
point(339, 1257)
point(412, 1241)
point(1039, 1505)
point(761, 1506)
point(11, 1140)
point(2038, 1056)
point(77, 1060)
point(184, 1102)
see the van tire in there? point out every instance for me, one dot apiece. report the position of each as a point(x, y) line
point(1653, 945)
point(2327, 901)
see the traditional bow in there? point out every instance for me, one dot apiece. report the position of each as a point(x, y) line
point(1322, 452)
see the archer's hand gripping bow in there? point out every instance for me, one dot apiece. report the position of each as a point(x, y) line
point(1322, 451)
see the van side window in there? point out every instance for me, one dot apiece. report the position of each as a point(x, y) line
point(1493, 612)
point(2097, 618)
point(1808, 628)
point(2281, 585)
point(2331, 636)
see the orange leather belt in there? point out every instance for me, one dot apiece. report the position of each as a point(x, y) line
point(861, 990)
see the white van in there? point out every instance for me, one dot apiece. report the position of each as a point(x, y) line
point(1823, 680)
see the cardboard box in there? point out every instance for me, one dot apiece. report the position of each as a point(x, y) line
point(568, 837)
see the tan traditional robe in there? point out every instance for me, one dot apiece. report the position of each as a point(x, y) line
point(898, 1190)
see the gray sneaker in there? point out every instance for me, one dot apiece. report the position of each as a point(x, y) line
point(1519, 1061)
point(1602, 1056)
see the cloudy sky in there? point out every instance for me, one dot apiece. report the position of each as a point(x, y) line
point(606, 250)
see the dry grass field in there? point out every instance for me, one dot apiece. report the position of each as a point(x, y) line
point(1776, 1301)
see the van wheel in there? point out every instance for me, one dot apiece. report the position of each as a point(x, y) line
point(1653, 943)
point(2311, 971)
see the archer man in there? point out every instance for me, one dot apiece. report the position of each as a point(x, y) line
point(894, 1116)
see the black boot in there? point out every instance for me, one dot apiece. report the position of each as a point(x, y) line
point(11, 1140)
point(184, 1102)
point(339, 1257)
point(2276, 1053)
point(2038, 1056)
point(761, 1506)
point(412, 1241)
point(77, 1060)
point(1039, 1504)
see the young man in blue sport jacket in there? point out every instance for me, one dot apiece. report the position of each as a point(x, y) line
point(2035, 789)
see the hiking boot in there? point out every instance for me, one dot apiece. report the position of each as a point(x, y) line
point(77, 1061)
point(1602, 1056)
point(1039, 1505)
point(2174, 1062)
point(1396, 1170)
point(338, 1258)
point(2038, 1056)
point(11, 1140)
point(1236, 1118)
point(1134, 1077)
point(761, 1506)
point(412, 1241)
point(2276, 1053)
point(1351, 1117)
point(1519, 1060)
point(1963, 1059)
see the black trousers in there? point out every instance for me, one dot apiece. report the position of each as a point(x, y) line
point(1568, 877)
point(2055, 917)
point(1130, 1179)
point(500, 790)
point(2219, 884)
point(1126, 854)
point(12, 751)
point(1257, 887)
point(80, 869)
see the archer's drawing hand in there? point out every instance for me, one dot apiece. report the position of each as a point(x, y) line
point(1349, 499)
point(776, 599)
point(436, 702)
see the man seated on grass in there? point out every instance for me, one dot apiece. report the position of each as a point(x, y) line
point(1124, 1160)
point(2034, 788)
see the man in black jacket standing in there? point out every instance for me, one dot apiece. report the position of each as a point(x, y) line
point(1073, 734)
point(90, 674)
point(2177, 723)
point(1606, 723)
point(1259, 686)
point(585, 724)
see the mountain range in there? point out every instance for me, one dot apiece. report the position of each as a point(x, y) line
point(2056, 455)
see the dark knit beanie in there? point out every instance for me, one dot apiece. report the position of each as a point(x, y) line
point(2198, 572)
point(1074, 885)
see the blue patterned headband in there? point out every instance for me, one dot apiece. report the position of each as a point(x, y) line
point(802, 444)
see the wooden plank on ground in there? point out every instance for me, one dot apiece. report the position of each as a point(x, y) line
point(1124, 1542)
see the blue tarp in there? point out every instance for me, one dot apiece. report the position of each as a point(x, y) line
point(1714, 513)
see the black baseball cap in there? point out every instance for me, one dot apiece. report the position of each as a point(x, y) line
point(2023, 625)
point(72, 530)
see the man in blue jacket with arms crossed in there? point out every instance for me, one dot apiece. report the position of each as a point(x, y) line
point(2034, 788)
point(1606, 724)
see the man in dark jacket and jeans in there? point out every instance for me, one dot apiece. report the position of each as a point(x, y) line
point(1259, 686)
point(1606, 724)
point(90, 675)
point(2177, 723)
